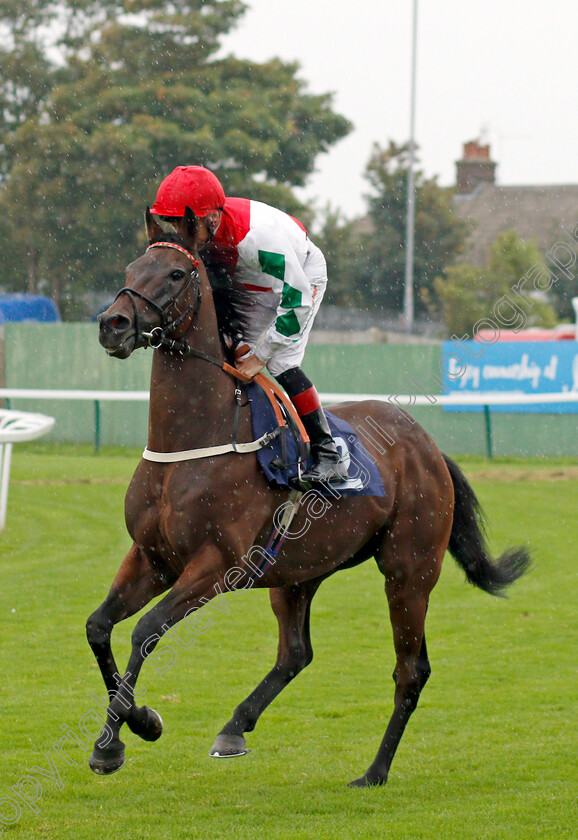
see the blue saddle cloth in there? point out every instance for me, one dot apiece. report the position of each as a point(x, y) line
point(364, 477)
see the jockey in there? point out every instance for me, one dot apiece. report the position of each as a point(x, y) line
point(272, 258)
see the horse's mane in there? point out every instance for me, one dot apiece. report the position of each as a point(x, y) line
point(231, 304)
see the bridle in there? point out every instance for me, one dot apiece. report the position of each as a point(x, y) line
point(160, 336)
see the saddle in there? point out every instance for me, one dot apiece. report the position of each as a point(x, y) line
point(283, 409)
point(286, 453)
point(282, 444)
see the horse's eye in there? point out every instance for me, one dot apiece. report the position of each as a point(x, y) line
point(177, 274)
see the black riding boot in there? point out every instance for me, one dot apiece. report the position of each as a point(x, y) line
point(327, 464)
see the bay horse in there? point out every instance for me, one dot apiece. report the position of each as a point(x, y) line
point(192, 521)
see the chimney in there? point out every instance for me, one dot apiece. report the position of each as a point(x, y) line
point(475, 167)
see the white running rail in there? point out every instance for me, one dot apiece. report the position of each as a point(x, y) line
point(485, 399)
point(16, 426)
point(401, 400)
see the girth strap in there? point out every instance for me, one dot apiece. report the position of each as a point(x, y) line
point(210, 451)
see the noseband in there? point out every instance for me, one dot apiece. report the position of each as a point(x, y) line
point(159, 336)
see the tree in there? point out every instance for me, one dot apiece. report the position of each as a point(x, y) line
point(439, 233)
point(466, 294)
point(342, 250)
point(139, 91)
point(563, 291)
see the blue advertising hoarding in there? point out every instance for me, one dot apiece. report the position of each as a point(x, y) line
point(520, 367)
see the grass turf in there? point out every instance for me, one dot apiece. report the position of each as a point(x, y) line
point(490, 752)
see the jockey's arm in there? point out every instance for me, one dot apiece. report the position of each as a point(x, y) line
point(284, 271)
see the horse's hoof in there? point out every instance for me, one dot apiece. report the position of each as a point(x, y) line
point(366, 781)
point(148, 725)
point(105, 762)
point(229, 746)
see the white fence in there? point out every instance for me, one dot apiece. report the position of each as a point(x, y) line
point(403, 400)
point(486, 400)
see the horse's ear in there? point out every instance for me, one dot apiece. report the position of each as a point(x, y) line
point(154, 230)
point(188, 225)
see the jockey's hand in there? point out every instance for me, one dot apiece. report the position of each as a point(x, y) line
point(250, 365)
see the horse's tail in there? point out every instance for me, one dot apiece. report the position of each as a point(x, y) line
point(468, 544)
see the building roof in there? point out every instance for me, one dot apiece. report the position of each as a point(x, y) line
point(534, 212)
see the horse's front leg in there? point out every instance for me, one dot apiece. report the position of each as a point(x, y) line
point(196, 582)
point(291, 606)
point(134, 586)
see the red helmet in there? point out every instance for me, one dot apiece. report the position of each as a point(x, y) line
point(189, 186)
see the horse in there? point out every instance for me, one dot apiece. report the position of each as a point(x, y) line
point(192, 521)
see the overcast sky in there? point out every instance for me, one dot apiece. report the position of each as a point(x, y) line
point(503, 69)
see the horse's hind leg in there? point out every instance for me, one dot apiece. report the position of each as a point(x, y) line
point(291, 606)
point(135, 584)
point(410, 675)
point(408, 586)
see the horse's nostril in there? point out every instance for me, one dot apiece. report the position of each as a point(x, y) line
point(118, 323)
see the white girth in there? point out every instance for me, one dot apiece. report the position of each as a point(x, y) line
point(208, 451)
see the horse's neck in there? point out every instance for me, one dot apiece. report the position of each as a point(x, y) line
point(191, 400)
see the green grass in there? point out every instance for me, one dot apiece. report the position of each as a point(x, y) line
point(490, 752)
